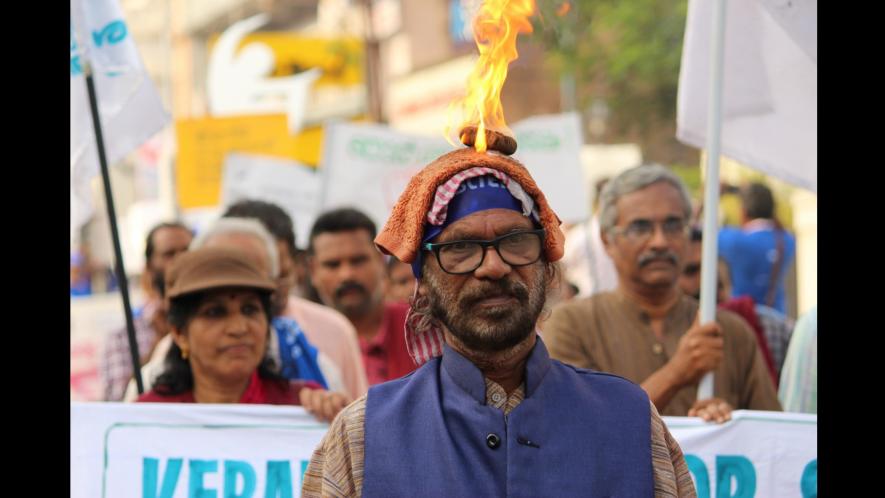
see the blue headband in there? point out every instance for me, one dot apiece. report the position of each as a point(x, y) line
point(474, 194)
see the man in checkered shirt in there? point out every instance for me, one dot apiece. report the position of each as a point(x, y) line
point(164, 242)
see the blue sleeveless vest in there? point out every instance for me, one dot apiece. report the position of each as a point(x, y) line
point(577, 433)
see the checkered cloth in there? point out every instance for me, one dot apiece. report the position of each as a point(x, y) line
point(778, 329)
point(115, 365)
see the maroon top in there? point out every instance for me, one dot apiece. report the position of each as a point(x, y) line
point(385, 355)
point(746, 308)
point(259, 392)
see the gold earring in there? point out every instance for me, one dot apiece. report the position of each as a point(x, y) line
point(183, 354)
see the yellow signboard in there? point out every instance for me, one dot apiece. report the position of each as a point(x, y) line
point(203, 144)
point(341, 59)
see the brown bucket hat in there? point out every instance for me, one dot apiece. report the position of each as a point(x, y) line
point(213, 268)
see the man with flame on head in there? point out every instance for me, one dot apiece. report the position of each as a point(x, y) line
point(488, 412)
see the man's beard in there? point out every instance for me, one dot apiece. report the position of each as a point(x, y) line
point(488, 329)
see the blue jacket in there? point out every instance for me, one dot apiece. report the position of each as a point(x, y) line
point(576, 433)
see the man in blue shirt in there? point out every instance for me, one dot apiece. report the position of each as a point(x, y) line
point(760, 251)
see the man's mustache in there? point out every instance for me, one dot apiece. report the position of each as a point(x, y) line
point(651, 257)
point(349, 286)
point(496, 288)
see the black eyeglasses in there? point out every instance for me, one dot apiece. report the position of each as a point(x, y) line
point(640, 231)
point(464, 256)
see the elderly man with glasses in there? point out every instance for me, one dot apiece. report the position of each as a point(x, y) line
point(488, 412)
point(647, 329)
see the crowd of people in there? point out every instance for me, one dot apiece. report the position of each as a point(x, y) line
point(461, 309)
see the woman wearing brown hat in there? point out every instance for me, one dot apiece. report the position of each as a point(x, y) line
point(219, 312)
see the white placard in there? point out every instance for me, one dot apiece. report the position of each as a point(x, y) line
point(289, 184)
point(368, 166)
point(550, 147)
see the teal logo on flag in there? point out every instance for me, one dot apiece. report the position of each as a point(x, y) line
point(111, 34)
point(76, 69)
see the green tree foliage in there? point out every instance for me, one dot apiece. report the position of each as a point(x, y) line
point(625, 52)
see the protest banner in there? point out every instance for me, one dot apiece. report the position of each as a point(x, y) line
point(184, 450)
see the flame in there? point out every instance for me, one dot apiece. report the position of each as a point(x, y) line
point(495, 29)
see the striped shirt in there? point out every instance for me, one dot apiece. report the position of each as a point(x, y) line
point(337, 465)
point(798, 388)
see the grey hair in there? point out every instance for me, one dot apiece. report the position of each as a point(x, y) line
point(247, 226)
point(632, 180)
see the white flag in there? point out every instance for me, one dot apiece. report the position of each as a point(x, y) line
point(769, 93)
point(131, 111)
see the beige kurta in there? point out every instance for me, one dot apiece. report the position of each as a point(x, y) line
point(609, 333)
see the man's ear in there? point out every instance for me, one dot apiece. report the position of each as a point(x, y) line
point(607, 242)
point(553, 274)
point(310, 262)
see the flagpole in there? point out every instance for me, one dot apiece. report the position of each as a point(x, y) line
point(709, 251)
point(112, 215)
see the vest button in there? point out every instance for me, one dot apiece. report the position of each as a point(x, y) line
point(493, 441)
